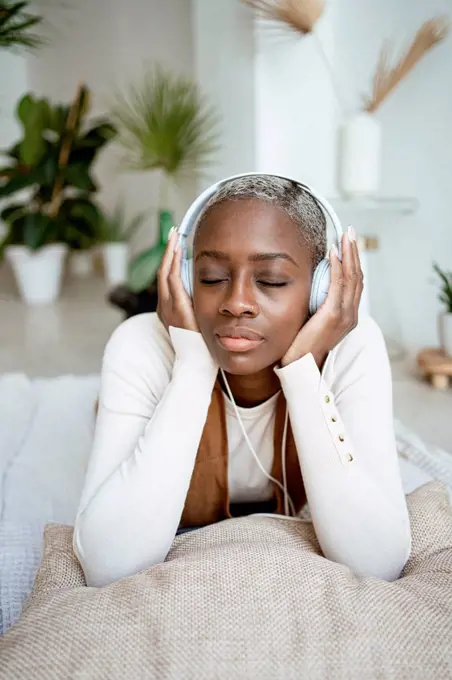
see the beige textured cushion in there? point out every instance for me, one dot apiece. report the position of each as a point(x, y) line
point(247, 598)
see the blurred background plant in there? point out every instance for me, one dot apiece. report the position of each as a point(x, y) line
point(164, 125)
point(117, 228)
point(18, 26)
point(445, 293)
point(445, 318)
point(49, 190)
point(49, 172)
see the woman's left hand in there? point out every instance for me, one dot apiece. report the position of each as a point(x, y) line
point(338, 315)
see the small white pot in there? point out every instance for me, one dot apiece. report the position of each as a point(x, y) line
point(116, 257)
point(445, 332)
point(38, 273)
point(81, 264)
point(360, 156)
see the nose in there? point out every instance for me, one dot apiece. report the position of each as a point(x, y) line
point(239, 301)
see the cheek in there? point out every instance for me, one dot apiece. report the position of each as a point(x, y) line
point(292, 304)
point(296, 304)
point(286, 322)
point(205, 308)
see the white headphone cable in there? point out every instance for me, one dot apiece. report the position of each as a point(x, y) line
point(283, 461)
point(287, 499)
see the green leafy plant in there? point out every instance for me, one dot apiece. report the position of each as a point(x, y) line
point(17, 26)
point(117, 228)
point(164, 124)
point(48, 172)
point(445, 294)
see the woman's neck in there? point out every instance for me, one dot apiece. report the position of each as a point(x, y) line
point(252, 390)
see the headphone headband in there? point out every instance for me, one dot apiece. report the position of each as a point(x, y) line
point(195, 210)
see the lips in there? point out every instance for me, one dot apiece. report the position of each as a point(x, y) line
point(238, 338)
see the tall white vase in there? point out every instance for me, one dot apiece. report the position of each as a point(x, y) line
point(38, 273)
point(360, 156)
point(115, 257)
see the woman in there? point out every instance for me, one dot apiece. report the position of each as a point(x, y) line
point(180, 444)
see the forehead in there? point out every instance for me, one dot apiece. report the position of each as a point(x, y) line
point(248, 224)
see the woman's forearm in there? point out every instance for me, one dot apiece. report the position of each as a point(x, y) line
point(359, 511)
point(129, 516)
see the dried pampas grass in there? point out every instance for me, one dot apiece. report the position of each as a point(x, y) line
point(298, 15)
point(387, 77)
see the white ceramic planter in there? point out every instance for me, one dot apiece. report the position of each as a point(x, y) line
point(38, 273)
point(360, 156)
point(445, 332)
point(116, 257)
point(81, 264)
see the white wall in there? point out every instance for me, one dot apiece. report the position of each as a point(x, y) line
point(108, 44)
point(13, 82)
point(295, 105)
point(417, 134)
point(223, 33)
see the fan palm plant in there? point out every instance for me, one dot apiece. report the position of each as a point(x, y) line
point(164, 125)
point(18, 25)
point(117, 228)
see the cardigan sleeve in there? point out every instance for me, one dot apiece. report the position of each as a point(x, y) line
point(148, 429)
point(346, 446)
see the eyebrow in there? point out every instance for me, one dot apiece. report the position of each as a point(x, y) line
point(257, 257)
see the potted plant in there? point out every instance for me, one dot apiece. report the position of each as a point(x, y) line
point(17, 26)
point(116, 233)
point(164, 125)
point(445, 319)
point(48, 172)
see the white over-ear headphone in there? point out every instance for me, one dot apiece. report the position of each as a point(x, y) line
point(322, 274)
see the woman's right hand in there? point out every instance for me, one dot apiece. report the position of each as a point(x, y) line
point(174, 307)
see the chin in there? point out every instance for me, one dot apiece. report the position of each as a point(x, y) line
point(238, 363)
point(240, 366)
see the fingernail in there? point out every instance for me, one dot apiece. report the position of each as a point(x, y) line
point(351, 233)
point(333, 251)
point(171, 232)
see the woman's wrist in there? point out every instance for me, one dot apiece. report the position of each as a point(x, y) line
point(320, 356)
point(318, 353)
point(190, 348)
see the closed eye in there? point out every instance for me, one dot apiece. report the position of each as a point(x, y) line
point(268, 284)
point(211, 282)
point(274, 284)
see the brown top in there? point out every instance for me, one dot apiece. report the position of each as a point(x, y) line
point(207, 500)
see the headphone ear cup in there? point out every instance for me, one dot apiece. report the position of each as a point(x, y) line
point(187, 275)
point(320, 285)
